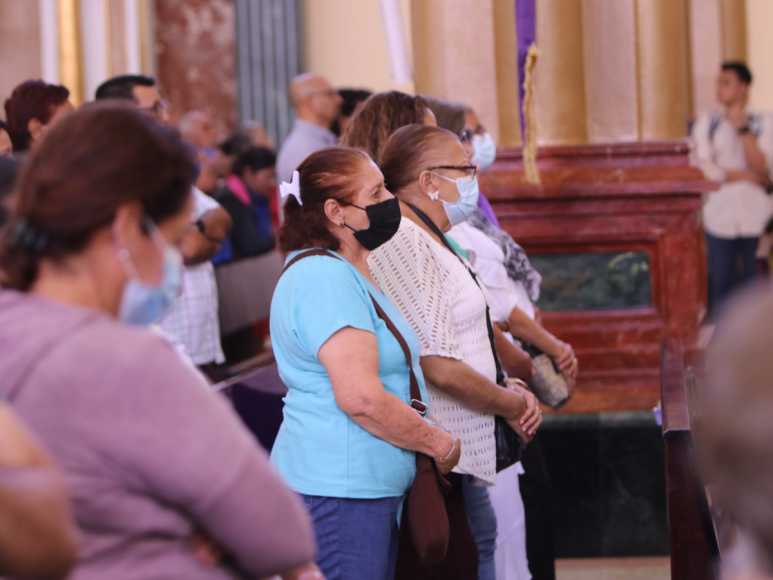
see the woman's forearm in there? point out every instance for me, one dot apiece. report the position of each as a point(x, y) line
point(468, 386)
point(525, 329)
point(387, 417)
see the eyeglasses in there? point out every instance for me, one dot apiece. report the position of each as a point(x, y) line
point(466, 168)
point(155, 109)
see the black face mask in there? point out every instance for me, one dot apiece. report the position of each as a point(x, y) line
point(384, 222)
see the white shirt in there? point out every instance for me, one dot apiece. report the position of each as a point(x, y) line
point(438, 297)
point(739, 209)
point(193, 318)
point(303, 140)
point(487, 258)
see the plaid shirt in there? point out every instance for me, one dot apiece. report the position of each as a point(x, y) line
point(193, 318)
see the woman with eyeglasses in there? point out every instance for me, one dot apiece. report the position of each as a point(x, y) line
point(431, 174)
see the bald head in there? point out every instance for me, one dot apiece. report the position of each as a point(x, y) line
point(198, 129)
point(314, 99)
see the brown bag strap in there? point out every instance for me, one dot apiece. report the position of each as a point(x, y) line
point(416, 401)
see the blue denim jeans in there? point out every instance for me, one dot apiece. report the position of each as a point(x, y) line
point(732, 264)
point(356, 538)
point(483, 522)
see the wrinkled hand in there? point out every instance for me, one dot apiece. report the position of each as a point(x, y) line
point(205, 551)
point(531, 418)
point(566, 360)
point(446, 466)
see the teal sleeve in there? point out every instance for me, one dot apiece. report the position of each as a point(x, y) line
point(326, 298)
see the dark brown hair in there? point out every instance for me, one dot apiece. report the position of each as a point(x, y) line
point(31, 100)
point(409, 151)
point(380, 116)
point(95, 160)
point(327, 174)
point(449, 115)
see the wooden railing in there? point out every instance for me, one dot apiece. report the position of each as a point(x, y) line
point(694, 548)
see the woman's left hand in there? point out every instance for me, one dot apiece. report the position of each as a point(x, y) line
point(532, 416)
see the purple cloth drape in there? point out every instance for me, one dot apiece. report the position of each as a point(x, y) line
point(486, 208)
point(526, 29)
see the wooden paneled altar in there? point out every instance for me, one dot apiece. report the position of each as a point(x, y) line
point(617, 231)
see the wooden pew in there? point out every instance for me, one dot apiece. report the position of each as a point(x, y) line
point(694, 547)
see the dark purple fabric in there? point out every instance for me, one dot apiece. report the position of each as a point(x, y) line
point(526, 29)
point(486, 208)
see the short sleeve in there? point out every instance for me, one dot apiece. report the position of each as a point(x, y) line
point(702, 150)
point(204, 202)
point(765, 140)
point(409, 272)
point(326, 297)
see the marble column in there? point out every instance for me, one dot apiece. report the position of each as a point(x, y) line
point(19, 45)
point(733, 20)
point(664, 88)
point(195, 50)
point(70, 62)
point(705, 52)
point(560, 73)
point(453, 47)
point(611, 92)
point(506, 55)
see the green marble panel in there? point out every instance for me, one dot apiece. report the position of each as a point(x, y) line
point(593, 281)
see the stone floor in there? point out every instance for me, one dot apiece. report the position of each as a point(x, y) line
point(641, 568)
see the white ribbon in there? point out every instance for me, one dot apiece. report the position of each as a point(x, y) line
point(292, 188)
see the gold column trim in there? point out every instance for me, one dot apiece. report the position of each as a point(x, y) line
point(70, 64)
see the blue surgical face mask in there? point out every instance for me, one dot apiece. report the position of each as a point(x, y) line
point(142, 303)
point(485, 150)
point(460, 210)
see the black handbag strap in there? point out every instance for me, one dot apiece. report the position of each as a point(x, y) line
point(416, 401)
point(490, 327)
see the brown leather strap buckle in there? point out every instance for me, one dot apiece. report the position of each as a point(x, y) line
point(419, 407)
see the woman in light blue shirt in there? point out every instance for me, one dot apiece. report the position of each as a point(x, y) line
point(349, 434)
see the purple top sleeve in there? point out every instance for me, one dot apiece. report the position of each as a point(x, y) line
point(486, 208)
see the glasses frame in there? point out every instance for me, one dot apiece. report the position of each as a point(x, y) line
point(472, 166)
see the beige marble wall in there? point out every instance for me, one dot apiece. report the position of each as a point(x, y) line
point(663, 67)
point(19, 45)
point(454, 54)
point(506, 62)
point(560, 95)
point(611, 84)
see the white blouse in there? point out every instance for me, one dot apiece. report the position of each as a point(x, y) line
point(488, 260)
point(447, 309)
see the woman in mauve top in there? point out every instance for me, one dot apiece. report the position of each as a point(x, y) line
point(163, 477)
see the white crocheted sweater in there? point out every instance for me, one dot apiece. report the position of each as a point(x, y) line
point(447, 309)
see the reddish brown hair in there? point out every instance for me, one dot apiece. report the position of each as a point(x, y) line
point(380, 116)
point(31, 100)
point(96, 160)
point(409, 151)
point(327, 174)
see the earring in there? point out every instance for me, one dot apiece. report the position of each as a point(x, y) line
point(434, 195)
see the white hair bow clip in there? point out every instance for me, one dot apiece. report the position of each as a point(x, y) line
point(293, 188)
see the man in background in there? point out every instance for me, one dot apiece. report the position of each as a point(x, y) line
point(317, 105)
point(734, 146)
point(193, 319)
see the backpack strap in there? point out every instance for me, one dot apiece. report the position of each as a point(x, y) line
point(416, 401)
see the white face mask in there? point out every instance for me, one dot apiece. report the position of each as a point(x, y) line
point(461, 209)
point(484, 150)
point(142, 303)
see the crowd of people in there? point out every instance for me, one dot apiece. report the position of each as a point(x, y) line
point(404, 328)
point(398, 334)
